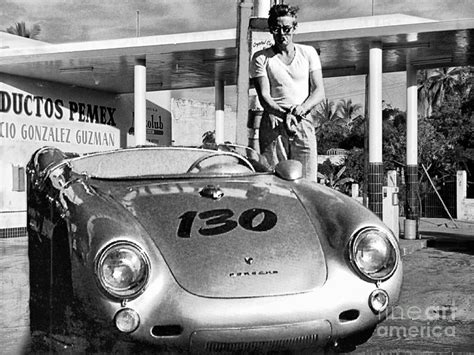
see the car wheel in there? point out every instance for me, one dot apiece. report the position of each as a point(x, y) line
point(60, 288)
point(39, 269)
point(53, 322)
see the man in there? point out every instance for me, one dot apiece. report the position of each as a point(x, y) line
point(289, 83)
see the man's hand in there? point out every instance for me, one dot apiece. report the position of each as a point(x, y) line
point(299, 111)
point(291, 121)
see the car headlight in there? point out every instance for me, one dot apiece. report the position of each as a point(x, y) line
point(122, 270)
point(374, 254)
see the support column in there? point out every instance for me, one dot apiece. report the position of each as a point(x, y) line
point(258, 40)
point(461, 194)
point(140, 101)
point(375, 129)
point(219, 89)
point(262, 7)
point(411, 206)
point(244, 11)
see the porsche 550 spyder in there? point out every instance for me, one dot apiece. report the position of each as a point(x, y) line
point(200, 250)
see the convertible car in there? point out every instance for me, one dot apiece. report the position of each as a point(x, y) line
point(201, 250)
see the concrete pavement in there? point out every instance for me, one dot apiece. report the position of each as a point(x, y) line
point(435, 313)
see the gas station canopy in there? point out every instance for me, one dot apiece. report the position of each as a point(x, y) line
point(198, 59)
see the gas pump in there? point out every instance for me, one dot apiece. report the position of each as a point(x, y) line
point(390, 206)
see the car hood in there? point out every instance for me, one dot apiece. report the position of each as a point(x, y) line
point(242, 238)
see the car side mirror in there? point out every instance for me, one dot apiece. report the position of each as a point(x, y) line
point(289, 170)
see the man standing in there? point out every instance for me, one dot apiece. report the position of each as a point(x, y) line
point(289, 83)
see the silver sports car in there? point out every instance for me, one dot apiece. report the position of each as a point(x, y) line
point(200, 250)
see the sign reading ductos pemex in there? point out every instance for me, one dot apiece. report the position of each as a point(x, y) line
point(34, 115)
point(39, 106)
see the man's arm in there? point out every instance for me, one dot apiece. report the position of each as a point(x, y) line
point(262, 86)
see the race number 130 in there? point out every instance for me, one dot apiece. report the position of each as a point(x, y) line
point(220, 221)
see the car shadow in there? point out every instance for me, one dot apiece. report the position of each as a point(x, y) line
point(446, 241)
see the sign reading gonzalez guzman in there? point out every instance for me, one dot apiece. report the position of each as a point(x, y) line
point(37, 119)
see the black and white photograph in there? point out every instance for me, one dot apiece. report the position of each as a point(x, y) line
point(236, 177)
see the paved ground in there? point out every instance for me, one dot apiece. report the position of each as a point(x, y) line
point(14, 296)
point(436, 306)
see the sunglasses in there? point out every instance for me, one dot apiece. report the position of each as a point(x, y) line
point(284, 29)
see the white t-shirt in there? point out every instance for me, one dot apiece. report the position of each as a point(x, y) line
point(289, 84)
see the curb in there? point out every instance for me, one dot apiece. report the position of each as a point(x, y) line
point(410, 246)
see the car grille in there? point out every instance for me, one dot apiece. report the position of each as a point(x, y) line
point(262, 339)
point(280, 344)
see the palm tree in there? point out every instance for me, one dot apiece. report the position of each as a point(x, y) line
point(424, 100)
point(347, 110)
point(435, 84)
point(445, 82)
point(20, 29)
point(325, 113)
point(330, 176)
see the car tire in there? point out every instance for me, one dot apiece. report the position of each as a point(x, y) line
point(53, 324)
point(60, 288)
point(39, 269)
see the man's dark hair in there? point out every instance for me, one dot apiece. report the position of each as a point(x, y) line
point(280, 10)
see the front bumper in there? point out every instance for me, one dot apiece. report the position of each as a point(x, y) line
point(173, 319)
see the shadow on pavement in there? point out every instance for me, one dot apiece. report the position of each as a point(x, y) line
point(459, 243)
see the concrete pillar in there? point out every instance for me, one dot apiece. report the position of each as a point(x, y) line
point(411, 207)
point(355, 190)
point(461, 193)
point(253, 123)
point(140, 101)
point(262, 7)
point(375, 129)
point(258, 40)
point(219, 97)
point(244, 11)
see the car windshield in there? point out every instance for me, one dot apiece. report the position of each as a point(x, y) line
point(143, 162)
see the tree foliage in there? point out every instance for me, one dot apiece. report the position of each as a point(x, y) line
point(446, 134)
point(435, 86)
point(20, 29)
point(334, 123)
point(348, 111)
point(355, 163)
point(445, 128)
point(334, 177)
